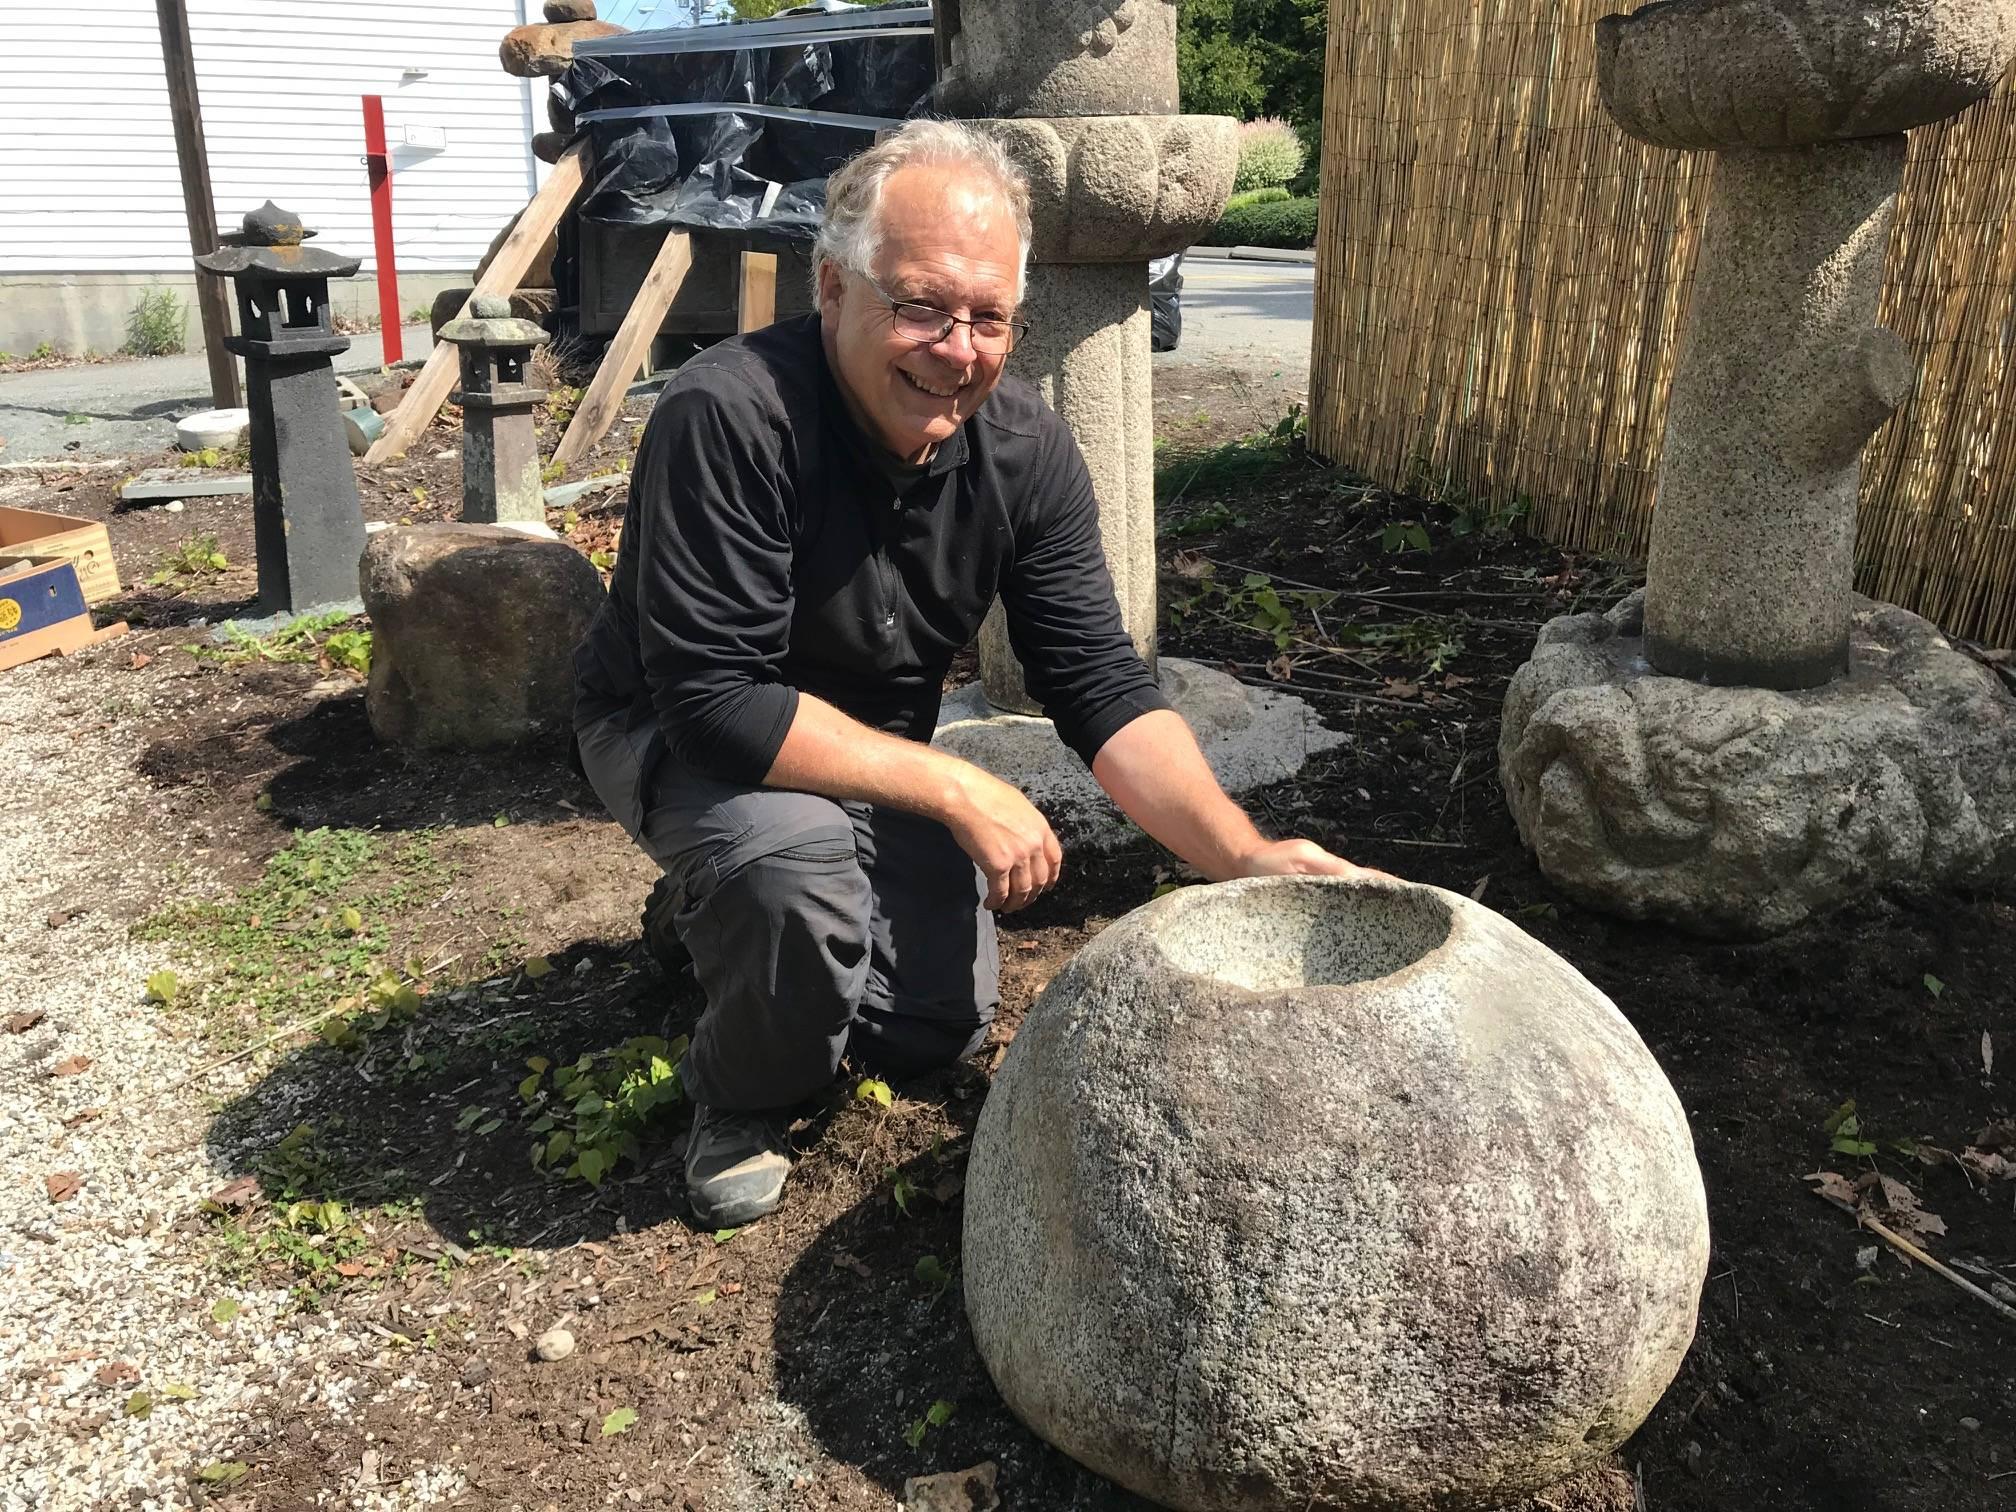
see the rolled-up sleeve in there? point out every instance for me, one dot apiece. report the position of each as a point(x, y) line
point(1063, 618)
point(714, 598)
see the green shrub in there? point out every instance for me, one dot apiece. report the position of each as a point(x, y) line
point(155, 324)
point(1273, 194)
point(1270, 154)
point(1287, 223)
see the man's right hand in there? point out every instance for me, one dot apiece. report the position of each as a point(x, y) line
point(1007, 838)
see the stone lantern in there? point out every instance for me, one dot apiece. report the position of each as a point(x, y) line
point(500, 447)
point(1082, 94)
point(307, 524)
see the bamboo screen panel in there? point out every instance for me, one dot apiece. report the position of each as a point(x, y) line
point(1502, 275)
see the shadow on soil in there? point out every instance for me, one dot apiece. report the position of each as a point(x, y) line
point(404, 1119)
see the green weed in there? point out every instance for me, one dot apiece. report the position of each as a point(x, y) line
point(198, 557)
point(156, 325)
point(585, 1116)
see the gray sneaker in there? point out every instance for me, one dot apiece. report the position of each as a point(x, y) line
point(735, 1165)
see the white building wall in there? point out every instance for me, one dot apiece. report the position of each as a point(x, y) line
point(87, 153)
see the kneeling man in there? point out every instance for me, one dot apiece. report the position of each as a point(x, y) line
point(821, 514)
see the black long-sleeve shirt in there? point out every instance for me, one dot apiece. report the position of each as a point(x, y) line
point(769, 550)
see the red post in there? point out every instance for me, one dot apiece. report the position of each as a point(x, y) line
point(379, 160)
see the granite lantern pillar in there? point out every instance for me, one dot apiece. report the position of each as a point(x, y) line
point(307, 524)
point(500, 445)
point(1082, 93)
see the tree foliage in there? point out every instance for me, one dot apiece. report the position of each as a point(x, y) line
point(1249, 58)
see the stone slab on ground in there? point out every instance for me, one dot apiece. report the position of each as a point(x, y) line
point(1251, 737)
point(1740, 812)
point(161, 483)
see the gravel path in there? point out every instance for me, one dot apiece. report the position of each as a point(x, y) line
point(100, 1295)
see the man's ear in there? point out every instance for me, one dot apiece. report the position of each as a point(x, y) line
point(831, 284)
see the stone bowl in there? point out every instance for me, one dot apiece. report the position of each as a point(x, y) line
point(1767, 73)
point(1298, 1192)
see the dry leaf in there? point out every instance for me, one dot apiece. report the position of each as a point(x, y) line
point(1835, 1188)
point(237, 1194)
point(350, 1267)
point(21, 1023)
point(140, 659)
point(845, 1261)
point(1281, 668)
point(1399, 687)
point(731, 1288)
point(1190, 564)
point(75, 1065)
point(63, 1185)
point(1452, 681)
point(1987, 1164)
point(116, 1373)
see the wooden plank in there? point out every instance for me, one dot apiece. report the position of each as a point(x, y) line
point(199, 204)
point(604, 400)
point(758, 307)
point(438, 375)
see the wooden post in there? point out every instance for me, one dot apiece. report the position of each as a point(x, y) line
point(599, 407)
point(437, 377)
point(199, 206)
point(758, 304)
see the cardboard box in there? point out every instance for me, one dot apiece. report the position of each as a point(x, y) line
point(42, 611)
point(35, 533)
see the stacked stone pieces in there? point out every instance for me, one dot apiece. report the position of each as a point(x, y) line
point(501, 482)
point(1782, 375)
point(1083, 95)
point(1747, 744)
point(307, 522)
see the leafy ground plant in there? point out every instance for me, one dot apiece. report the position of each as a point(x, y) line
point(585, 1116)
point(198, 557)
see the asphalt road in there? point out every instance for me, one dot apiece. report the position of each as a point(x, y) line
point(1251, 315)
point(124, 408)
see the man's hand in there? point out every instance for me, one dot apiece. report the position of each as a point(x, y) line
point(1007, 838)
point(1302, 858)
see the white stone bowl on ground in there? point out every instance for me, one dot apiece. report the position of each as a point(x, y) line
point(219, 428)
point(1302, 1193)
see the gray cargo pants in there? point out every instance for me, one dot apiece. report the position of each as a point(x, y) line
point(817, 929)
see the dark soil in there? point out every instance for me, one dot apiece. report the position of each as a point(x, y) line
point(785, 1366)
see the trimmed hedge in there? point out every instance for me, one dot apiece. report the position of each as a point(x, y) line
point(1272, 194)
point(1287, 223)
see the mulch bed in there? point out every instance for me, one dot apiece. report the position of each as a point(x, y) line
point(790, 1365)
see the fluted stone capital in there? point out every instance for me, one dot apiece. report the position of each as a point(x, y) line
point(1107, 189)
point(1794, 73)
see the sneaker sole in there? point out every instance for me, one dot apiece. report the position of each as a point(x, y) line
point(733, 1212)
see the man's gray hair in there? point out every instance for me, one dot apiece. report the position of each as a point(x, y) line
point(851, 232)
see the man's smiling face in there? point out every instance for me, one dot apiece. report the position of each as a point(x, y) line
point(948, 240)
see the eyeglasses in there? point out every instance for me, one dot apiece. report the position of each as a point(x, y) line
point(927, 326)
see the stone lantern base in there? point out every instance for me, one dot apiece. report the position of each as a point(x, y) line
point(1251, 736)
point(1740, 812)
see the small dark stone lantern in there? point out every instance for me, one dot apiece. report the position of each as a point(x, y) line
point(307, 524)
point(500, 444)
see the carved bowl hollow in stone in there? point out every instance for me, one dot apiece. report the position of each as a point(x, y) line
point(1792, 73)
point(1303, 1192)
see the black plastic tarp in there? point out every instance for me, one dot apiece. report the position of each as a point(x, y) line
point(720, 168)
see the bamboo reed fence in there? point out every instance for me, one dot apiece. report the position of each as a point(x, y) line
point(1502, 275)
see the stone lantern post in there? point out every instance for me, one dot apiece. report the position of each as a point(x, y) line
point(1083, 95)
point(1747, 742)
point(500, 448)
point(307, 524)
